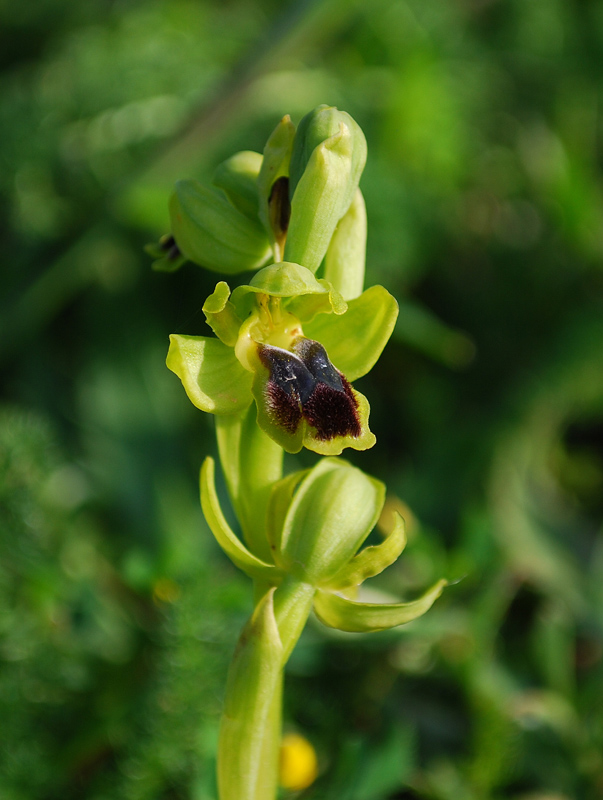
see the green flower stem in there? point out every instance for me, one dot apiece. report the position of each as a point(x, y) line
point(251, 462)
point(251, 724)
point(292, 606)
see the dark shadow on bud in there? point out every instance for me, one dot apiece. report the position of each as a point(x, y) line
point(280, 209)
point(306, 384)
point(167, 242)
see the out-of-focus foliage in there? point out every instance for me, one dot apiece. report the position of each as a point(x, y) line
point(484, 192)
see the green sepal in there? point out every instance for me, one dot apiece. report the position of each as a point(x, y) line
point(280, 500)
point(346, 257)
point(372, 560)
point(337, 611)
point(211, 374)
point(210, 231)
point(275, 165)
point(221, 314)
point(237, 177)
point(332, 512)
point(355, 340)
point(308, 296)
point(240, 556)
point(250, 727)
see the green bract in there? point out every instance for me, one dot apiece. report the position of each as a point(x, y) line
point(271, 334)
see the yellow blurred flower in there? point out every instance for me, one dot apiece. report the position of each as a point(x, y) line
point(298, 763)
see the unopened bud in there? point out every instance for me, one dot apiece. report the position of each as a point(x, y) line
point(213, 232)
point(237, 177)
point(329, 154)
point(332, 512)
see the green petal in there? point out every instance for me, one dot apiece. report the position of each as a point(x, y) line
point(228, 541)
point(212, 377)
point(335, 446)
point(306, 306)
point(309, 296)
point(355, 340)
point(317, 127)
point(221, 315)
point(372, 560)
point(337, 611)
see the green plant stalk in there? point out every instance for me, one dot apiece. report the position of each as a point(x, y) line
point(250, 730)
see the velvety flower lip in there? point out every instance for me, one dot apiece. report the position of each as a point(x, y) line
point(291, 343)
point(304, 384)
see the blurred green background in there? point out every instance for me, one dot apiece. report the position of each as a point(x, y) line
point(118, 612)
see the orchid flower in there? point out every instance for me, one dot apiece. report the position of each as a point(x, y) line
point(292, 344)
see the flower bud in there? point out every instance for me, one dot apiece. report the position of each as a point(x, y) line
point(213, 232)
point(273, 185)
point(329, 154)
point(237, 177)
point(332, 512)
point(315, 128)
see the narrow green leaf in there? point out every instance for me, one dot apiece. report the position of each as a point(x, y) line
point(228, 541)
point(337, 611)
point(372, 560)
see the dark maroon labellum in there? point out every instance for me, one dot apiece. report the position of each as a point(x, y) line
point(306, 384)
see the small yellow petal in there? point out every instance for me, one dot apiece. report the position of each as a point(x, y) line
point(298, 764)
